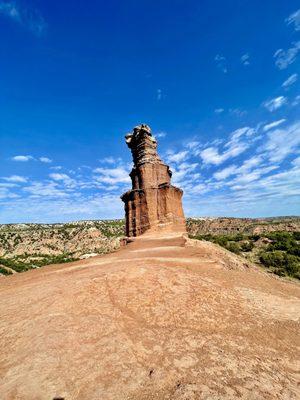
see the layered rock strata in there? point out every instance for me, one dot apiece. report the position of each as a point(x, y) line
point(153, 203)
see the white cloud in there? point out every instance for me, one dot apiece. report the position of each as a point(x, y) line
point(252, 162)
point(238, 133)
point(243, 171)
point(237, 144)
point(282, 142)
point(211, 155)
point(45, 160)
point(296, 101)
point(48, 207)
point(290, 81)
point(225, 173)
point(275, 103)
point(296, 162)
point(5, 194)
point(251, 176)
point(22, 158)
point(112, 175)
point(173, 157)
point(158, 94)
point(274, 124)
point(294, 19)
point(56, 167)
point(37, 189)
point(245, 59)
point(8, 185)
point(29, 18)
point(110, 160)
point(160, 134)
point(237, 112)
point(64, 178)
point(15, 178)
point(185, 172)
point(219, 110)
point(221, 63)
point(283, 58)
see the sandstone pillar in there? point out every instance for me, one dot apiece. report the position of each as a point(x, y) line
point(153, 203)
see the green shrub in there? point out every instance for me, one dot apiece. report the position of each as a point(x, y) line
point(296, 235)
point(233, 247)
point(247, 246)
point(4, 271)
point(281, 263)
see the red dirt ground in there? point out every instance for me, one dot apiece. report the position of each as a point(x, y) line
point(163, 318)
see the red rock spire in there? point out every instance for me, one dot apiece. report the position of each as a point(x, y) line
point(153, 203)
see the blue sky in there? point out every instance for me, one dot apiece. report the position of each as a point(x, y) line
point(218, 82)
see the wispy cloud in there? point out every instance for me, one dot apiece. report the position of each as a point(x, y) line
point(66, 179)
point(219, 110)
point(225, 173)
point(158, 94)
point(290, 81)
point(29, 18)
point(22, 158)
point(282, 142)
point(237, 144)
point(15, 179)
point(161, 134)
point(112, 175)
point(283, 58)
point(296, 101)
point(184, 173)
point(45, 160)
point(275, 103)
point(221, 63)
point(294, 19)
point(110, 160)
point(245, 59)
point(173, 157)
point(237, 112)
point(272, 125)
point(45, 189)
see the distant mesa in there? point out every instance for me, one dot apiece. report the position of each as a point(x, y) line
point(152, 204)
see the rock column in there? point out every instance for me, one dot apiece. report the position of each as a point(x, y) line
point(153, 203)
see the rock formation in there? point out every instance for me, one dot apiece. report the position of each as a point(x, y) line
point(153, 203)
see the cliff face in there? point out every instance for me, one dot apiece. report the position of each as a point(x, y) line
point(153, 203)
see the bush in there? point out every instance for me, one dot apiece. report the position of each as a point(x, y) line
point(284, 241)
point(254, 238)
point(296, 235)
point(4, 271)
point(234, 247)
point(281, 263)
point(247, 246)
point(221, 240)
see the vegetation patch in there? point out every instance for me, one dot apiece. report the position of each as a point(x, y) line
point(279, 252)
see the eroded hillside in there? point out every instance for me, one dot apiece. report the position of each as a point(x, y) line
point(30, 246)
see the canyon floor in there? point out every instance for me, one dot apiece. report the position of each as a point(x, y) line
point(165, 317)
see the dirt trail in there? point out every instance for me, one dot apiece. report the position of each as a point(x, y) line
point(163, 318)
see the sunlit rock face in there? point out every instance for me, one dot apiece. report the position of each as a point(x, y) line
point(153, 203)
